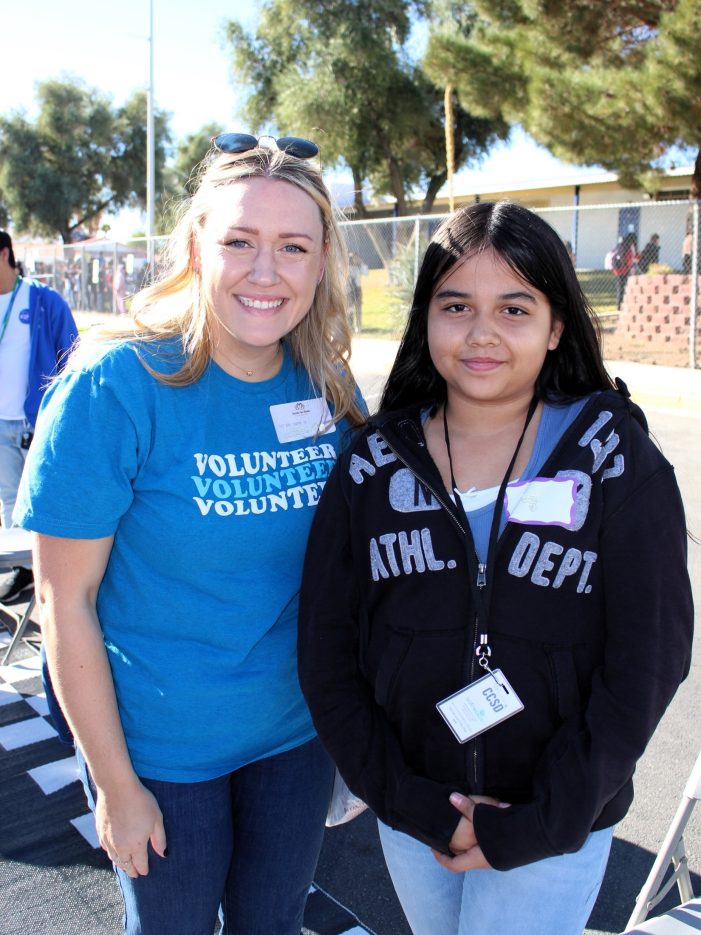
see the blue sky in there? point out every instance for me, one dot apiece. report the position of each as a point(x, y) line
point(106, 45)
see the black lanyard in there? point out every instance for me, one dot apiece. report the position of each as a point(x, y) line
point(15, 290)
point(481, 583)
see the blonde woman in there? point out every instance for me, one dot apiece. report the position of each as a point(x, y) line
point(171, 486)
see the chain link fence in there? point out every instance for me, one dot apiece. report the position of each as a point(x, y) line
point(666, 236)
point(385, 255)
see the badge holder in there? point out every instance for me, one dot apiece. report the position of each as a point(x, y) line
point(480, 705)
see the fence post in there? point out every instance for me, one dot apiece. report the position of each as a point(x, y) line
point(115, 260)
point(417, 248)
point(83, 280)
point(693, 308)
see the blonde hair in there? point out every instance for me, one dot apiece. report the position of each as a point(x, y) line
point(174, 307)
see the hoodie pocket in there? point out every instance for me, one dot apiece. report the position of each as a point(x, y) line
point(417, 668)
point(391, 661)
point(564, 680)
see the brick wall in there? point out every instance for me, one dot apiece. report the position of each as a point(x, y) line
point(654, 320)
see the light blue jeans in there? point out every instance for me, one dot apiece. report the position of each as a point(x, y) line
point(550, 897)
point(12, 458)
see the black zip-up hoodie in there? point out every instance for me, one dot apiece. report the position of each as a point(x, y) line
point(590, 622)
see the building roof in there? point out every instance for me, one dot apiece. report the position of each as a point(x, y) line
point(474, 183)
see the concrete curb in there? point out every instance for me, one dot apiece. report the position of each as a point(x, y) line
point(664, 389)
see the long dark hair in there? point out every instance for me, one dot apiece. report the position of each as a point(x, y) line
point(534, 251)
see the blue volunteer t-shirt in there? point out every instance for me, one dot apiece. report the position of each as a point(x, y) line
point(210, 513)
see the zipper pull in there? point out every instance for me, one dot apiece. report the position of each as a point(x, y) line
point(481, 575)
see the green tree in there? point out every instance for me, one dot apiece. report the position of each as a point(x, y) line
point(343, 74)
point(79, 160)
point(614, 83)
point(180, 175)
point(189, 153)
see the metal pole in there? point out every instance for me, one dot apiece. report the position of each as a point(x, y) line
point(150, 149)
point(83, 280)
point(115, 260)
point(575, 221)
point(693, 308)
point(417, 248)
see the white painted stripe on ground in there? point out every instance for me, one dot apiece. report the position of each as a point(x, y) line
point(24, 733)
point(361, 927)
point(85, 824)
point(9, 695)
point(54, 776)
point(20, 671)
point(39, 703)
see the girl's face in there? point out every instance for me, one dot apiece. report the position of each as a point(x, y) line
point(261, 255)
point(489, 331)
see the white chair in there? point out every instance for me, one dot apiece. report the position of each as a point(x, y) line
point(685, 918)
point(16, 550)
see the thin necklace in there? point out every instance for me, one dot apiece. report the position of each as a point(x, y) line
point(250, 373)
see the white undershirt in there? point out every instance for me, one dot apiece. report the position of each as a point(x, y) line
point(14, 354)
point(474, 499)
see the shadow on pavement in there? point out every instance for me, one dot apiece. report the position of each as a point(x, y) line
point(352, 869)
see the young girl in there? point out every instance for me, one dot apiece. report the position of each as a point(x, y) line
point(486, 680)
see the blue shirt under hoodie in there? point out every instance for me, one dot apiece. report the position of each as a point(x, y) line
point(210, 514)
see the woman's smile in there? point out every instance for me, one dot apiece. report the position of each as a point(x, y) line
point(261, 252)
point(260, 305)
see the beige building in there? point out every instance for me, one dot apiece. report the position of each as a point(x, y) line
point(589, 209)
point(596, 187)
point(592, 210)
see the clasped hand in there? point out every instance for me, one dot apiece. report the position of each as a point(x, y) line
point(467, 852)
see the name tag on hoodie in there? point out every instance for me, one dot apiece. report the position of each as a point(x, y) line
point(543, 501)
point(479, 706)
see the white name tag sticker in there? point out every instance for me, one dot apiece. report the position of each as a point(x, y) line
point(543, 501)
point(479, 706)
point(303, 419)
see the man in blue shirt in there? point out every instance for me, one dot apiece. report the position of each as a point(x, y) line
point(36, 332)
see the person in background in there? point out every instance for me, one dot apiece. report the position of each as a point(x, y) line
point(356, 270)
point(495, 608)
point(119, 287)
point(649, 254)
point(687, 250)
point(623, 262)
point(175, 471)
point(37, 331)
point(570, 253)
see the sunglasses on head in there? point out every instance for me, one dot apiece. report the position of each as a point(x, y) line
point(243, 142)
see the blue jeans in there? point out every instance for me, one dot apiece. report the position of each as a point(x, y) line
point(65, 735)
point(12, 458)
point(248, 841)
point(550, 897)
